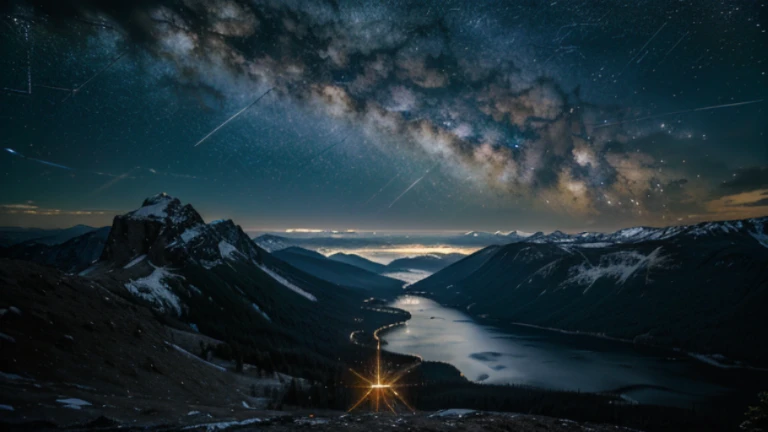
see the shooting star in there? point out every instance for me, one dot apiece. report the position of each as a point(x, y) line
point(232, 118)
point(102, 70)
point(15, 153)
point(382, 188)
point(323, 151)
point(672, 49)
point(115, 177)
point(707, 108)
point(114, 180)
point(643, 48)
point(412, 186)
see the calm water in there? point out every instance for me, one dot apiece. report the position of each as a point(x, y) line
point(553, 360)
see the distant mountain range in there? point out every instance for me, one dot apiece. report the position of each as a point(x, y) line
point(71, 256)
point(10, 236)
point(358, 261)
point(702, 288)
point(273, 242)
point(337, 272)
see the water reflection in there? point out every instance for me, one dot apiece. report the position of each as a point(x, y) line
point(546, 359)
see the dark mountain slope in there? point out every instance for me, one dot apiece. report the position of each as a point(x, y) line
point(72, 256)
point(704, 293)
point(358, 261)
point(337, 272)
point(213, 276)
point(14, 235)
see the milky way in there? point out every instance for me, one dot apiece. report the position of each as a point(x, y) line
point(567, 115)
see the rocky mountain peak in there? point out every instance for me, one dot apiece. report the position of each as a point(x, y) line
point(149, 229)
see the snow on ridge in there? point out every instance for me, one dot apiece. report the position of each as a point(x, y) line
point(286, 283)
point(153, 289)
point(135, 261)
point(73, 403)
point(227, 250)
point(270, 244)
point(620, 266)
point(158, 210)
point(191, 233)
point(264, 314)
point(759, 234)
point(593, 245)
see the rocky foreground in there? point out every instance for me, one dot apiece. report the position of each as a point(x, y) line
point(454, 420)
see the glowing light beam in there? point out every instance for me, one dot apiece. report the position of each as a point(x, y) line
point(411, 186)
point(706, 108)
point(232, 118)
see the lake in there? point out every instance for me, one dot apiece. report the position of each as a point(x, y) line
point(554, 360)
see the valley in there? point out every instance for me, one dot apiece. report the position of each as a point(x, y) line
point(174, 305)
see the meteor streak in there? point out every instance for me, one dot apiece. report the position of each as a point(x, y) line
point(15, 153)
point(323, 151)
point(75, 90)
point(707, 108)
point(382, 188)
point(411, 186)
point(232, 118)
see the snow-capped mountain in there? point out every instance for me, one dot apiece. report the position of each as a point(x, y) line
point(756, 228)
point(702, 288)
point(213, 277)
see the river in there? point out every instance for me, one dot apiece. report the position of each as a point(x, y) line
point(553, 360)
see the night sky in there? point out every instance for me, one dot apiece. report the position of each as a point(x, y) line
point(423, 115)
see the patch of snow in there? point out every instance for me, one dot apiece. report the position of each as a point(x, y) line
point(5, 337)
point(10, 376)
point(156, 211)
point(286, 283)
point(593, 245)
point(546, 270)
point(210, 264)
point(619, 266)
point(227, 250)
point(153, 289)
point(135, 261)
point(196, 290)
point(6, 407)
point(194, 327)
point(191, 413)
point(271, 244)
point(87, 271)
point(190, 233)
point(190, 355)
point(15, 310)
point(760, 235)
point(210, 427)
point(264, 314)
point(73, 403)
